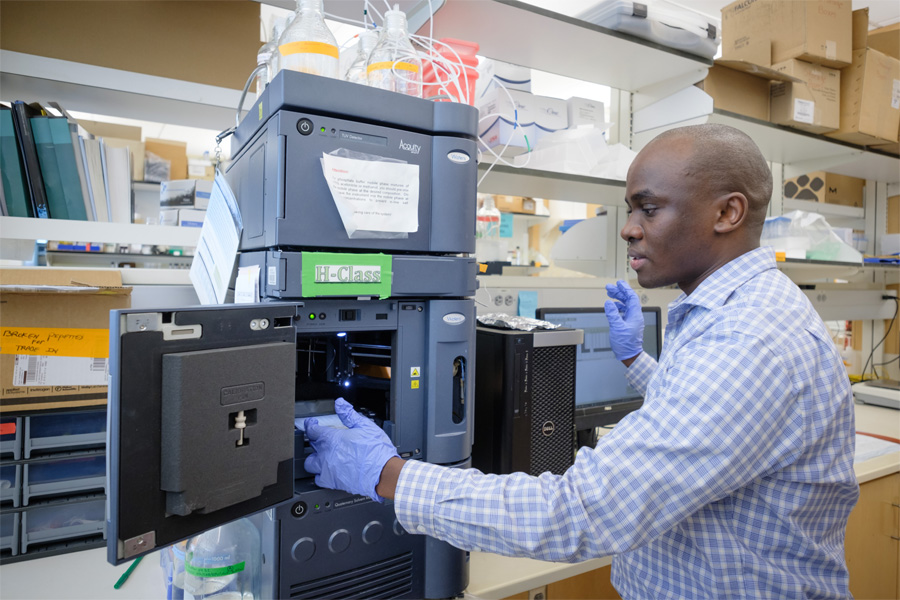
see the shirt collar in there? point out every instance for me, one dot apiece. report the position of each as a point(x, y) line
point(715, 290)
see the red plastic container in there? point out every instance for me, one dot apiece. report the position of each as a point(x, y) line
point(468, 75)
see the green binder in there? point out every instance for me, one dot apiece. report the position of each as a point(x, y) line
point(14, 192)
point(43, 141)
point(61, 136)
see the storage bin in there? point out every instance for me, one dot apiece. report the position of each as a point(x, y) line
point(70, 519)
point(10, 484)
point(658, 21)
point(11, 437)
point(66, 476)
point(9, 533)
point(46, 433)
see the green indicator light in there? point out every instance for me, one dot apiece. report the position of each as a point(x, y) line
point(322, 130)
point(312, 316)
point(317, 507)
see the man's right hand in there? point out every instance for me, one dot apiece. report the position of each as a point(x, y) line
point(626, 321)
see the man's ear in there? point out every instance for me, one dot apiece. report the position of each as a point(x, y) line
point(731, 212)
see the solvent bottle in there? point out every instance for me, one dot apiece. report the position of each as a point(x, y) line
point(394, 64)
point(224, 563)
point(488, 245)
point(356, 72)
point(264, 57)
point(307, 45)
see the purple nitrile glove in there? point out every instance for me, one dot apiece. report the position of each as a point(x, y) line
point(626, 321)
point(348, 459)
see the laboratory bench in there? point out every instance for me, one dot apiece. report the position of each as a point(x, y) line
point(871, 552)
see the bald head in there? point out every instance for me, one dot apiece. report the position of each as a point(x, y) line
point(724, 160)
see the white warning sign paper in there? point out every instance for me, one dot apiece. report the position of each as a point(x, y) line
point(374, 196)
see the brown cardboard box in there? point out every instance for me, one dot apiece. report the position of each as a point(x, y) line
point(212, 42)
point(893, 215)
point(886, 40)
point(870, 104)
point(737, 92)
point(860, 28)
point(811, 105)
point(817, 31)
point(52, 314)
point(820, 186)
point(514, 204)
point(114, 130)
point(175, 152)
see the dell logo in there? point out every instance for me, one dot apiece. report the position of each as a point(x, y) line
point(547, 428)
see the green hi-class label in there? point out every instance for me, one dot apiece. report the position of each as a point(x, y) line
point(212, 571)
point(336, 274)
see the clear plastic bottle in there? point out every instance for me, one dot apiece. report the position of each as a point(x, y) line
point(394, 64)
point(488, 245)
point(272, 63)
point(224, 563)
point(356, 72)
point(307, 45)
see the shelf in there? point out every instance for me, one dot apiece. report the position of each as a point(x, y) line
point(526, 35)
point(93, 89)
point(533, 37)
point(28, 229)
point(535, 183)
point(801, 271)
point(825, 209)
point(116, 259)
point(798, 151)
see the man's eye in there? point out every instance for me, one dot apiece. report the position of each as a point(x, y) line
point(648, 211)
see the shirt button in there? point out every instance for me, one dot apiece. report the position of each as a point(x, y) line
point(476, 549)
point(420, 528)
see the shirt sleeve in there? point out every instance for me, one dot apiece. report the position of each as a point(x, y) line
point(640, 372)
point(723, 415)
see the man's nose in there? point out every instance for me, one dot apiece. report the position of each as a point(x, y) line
point(630, 231)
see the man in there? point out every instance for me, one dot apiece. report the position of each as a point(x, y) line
point(735, 478)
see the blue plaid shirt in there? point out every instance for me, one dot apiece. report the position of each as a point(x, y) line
point(734, 480)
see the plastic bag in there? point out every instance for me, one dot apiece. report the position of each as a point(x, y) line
point(505, 321)
point(805, 235)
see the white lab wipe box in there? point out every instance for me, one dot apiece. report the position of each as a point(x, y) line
point(659, 21)
point(583, 111)
point(511, 115)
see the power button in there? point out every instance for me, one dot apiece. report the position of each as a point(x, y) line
point(304, 126)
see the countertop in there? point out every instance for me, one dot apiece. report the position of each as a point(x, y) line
point(86, 574)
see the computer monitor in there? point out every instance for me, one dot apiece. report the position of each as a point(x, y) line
point(602, 394)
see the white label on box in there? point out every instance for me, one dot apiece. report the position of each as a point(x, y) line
point(273, 275)
point(895, 94)
point(804, 111)
point(246, 285)
point(58, 370)
point(830, 49)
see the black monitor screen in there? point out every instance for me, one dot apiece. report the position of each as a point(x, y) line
point(602, 394)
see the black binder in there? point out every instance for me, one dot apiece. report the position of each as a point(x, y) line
point(22, 114)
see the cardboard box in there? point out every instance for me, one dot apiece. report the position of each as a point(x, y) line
point(737, 92)
point(212, 42)
point(182, 217)
point(816, 31)
point(114, 130)
point(886, 40)
point(55, 336)
point(870, 99)
point(831, 188)
point(185, 193)
point(893, 215)
point(536, 115)
point(515, 204)
point(583, 111)
point(174, 152)
point(813, 104)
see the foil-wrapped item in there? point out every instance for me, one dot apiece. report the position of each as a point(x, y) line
point(505, 321)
